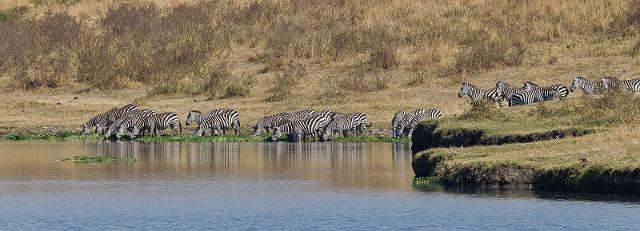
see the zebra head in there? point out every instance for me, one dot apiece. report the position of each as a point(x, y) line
point(191, 117)
point(607, 83)
point(528, 86)
point(277, 133)
point(502, 87)
point(85, 129)
point(463, 90)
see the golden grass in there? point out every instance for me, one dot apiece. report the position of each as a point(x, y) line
point(618, 149)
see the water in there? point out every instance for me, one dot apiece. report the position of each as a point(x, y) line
point(267, 186)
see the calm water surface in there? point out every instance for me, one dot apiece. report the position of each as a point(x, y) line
point(266, 186)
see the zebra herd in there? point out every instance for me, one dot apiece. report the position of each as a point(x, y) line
point(532, 93)
point(132, 121)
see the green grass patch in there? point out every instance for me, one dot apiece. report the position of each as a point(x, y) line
point(99, 159)
point(59, 135)
point(367, 139)
point(194, 138)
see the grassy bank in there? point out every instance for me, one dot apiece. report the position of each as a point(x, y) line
point(59, 135)
point(603, 162)
point(600, 152)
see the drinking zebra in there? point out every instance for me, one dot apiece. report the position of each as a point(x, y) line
point(587, 86)
point(117, 113)
point(548, 93)
point(397, 117)
point(100, 122)
point(215, 120)
point(632, 85)
point(506, 91)
point(342, 124)
point(528, 97)
point(304, 128)
point(409, 121)
point(269, 122)
point(137, 125)
point(115, 126)
point(475, 94)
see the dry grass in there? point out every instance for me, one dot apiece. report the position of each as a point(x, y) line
point(371, 56)
point(615, 150)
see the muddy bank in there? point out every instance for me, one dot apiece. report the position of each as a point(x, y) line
point(585, 178)
point(430, 135)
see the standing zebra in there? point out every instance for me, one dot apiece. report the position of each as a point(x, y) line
point(506, 91)
point(301, 128)
point(397, 117)
point(406, 125)
point(632, 85)
point(269, 122)
point(475, 94)
point(548, 93)
point(587, 86)
point(216, 121)
point(163, 121)
point(528, 97)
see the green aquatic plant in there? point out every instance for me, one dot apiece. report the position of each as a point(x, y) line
point(367, 139)
point(427, 181)
point(99, 159)
point(59, 135)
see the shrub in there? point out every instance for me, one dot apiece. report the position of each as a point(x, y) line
point(285, 82)
point(239, 87)
point(482, 110)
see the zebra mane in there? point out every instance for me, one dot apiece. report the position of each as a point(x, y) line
point(196, 111)
point(530, 83)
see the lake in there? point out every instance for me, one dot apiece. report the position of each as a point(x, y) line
point(267, 186)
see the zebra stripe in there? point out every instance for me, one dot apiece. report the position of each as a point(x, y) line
point(163, 121)
point(303, 128)
point(587, 86)
point(343, 123)
point(475, 94)
point(115, 126)
point(100, 122)
point(506, 91)
point(269, 122)
point(117, 113)
point(548, 93)
point(397, 117)
point(632, 85)
point(409, 121)
point(216, 120)
point(527, 97)
point(137, 125)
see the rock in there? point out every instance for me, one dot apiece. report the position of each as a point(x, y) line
point(75, 97)
point(58, 103)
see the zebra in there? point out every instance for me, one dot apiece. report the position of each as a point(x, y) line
point(269, 122)
point(361, 122)
point(299, 115)
point(397, 117)
point(529, 97)
point(587, 86)
point(137, 125)
point(632, 85)
point(215, 120)
point(303, 128)
point(506, 91)
point(409, 121)
point(354, 122)
point(115, 126)
point(161, 121)
point(117, 113)
point(548, 93)
point(475, 94)
point(100, 122)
